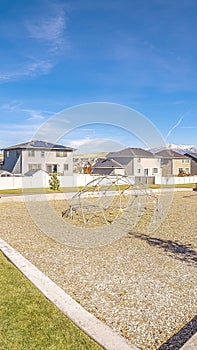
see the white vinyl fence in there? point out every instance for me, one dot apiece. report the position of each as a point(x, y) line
point(41, 180)
point(175, 180)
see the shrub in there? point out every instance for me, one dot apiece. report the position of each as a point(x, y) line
point(54, 183)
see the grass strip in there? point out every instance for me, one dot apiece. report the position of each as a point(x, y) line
point(29, 321)
point(20, 191)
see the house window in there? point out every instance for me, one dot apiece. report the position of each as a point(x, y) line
point(180, 169)
point(138, 170)
point(155, 170)
point(61, 154)
point(187, 161)
point(65, 167)
point(54, 168)
point(7, 154)
point(31, 153)
point(182, 160)
point(51, 168)
point(42, 154)
point(146, 172)
point(34, 166)
point(187, 170)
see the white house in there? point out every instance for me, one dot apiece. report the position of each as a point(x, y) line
point(22, 158)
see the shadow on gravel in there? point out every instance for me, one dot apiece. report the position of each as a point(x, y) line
point(177, 250)
point(181, 337)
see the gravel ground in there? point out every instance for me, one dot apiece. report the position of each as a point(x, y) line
point(143, 285)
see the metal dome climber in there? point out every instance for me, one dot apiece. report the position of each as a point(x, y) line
point(107, 199)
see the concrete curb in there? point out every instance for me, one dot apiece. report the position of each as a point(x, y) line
point(191, 344)
point(96, 329)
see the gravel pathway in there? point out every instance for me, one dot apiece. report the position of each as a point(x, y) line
point(143, 285)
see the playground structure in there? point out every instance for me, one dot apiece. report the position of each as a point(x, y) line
point(108, 199)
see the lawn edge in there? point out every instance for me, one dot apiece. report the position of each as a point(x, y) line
point(93, 327)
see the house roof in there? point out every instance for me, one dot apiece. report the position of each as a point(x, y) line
point(34, 171)
point(36, 144)
point(122, 160)
point(191, 155)
point(107, 163)
point(5, 173)
point(170, 154)
point(132, 153)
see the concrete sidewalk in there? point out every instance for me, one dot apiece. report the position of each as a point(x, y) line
point(69, 195)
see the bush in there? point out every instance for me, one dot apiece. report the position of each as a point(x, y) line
point(54, 183)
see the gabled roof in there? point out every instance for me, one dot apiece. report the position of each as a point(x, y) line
point(34, 171)
point(170, 154)
point(5, 173)
point(107, 163)
point(132, 153)
point(44, 145)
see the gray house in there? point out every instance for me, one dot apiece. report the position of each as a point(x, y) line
point(22, 158)
point(108, 167)
point(130, 161)
point(193, 157)
point(173, 163)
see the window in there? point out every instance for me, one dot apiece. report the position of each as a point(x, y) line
point(187, 170)
point(7, 154)
point(51, 168)
point(155, 170)
point(34, 166)
point(187, 161)
point(180, 169)
point(42, 154)
point(65, 167)
point(146, 172)
point(182, 160)
point(138, 170)
point(62, 154)
point(31, 153)
point(54, 168)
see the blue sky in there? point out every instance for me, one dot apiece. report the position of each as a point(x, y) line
point(58, 54)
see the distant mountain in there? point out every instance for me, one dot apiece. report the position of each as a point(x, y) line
point(177, 148)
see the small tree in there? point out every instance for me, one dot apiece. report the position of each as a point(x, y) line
point(54, 182)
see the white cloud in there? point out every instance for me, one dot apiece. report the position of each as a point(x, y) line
point(94, 145)
point(29, 70)
point(81, 142)
point(11, 106)
point(48, 29)
point(16, 133)
point(43, 39)
point(33, 114)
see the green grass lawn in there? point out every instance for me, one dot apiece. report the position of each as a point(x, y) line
point(38, 190)
point(76, 189)
point(189, 185)
point(28, 321)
